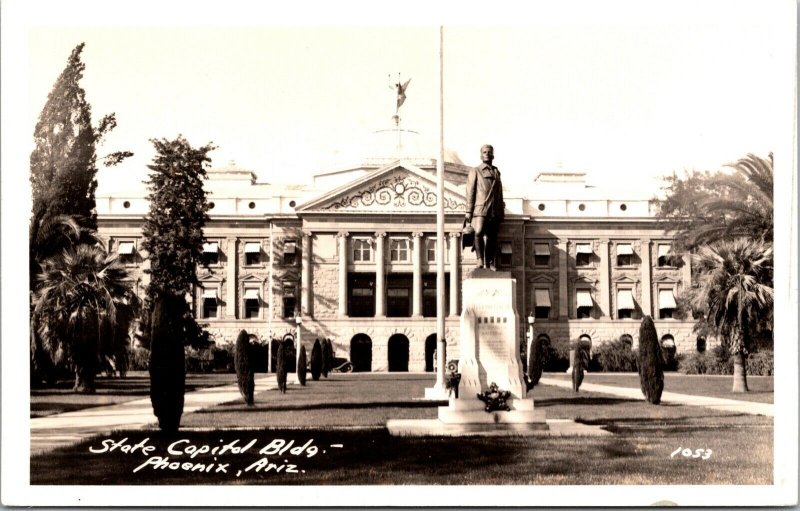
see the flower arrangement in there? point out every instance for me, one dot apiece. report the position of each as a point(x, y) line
point(495, 398)
point(452, 377)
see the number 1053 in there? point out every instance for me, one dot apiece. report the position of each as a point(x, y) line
point(703, 454)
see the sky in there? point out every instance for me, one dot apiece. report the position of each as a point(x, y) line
point(623, 100)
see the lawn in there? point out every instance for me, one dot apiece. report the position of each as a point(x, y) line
point(761, 387)
point(350, 410)
point(136, 385)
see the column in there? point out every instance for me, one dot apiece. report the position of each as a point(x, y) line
point(380, 276)
point(232, 255)
point(647, 284)
point(343, 273)
point(416, 259)
point(605, 279)
point(455, 245)
point(563, 298)
point(305, 275)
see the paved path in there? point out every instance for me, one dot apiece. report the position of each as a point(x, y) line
point(718, 403)
point(68, 428)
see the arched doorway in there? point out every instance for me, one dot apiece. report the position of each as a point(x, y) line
point(670, 351)
point(398, 353)
point(627, 339)
point(361, 353)
point(430, 353)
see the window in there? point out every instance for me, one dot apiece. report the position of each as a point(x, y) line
point(583, 254)
point(625, 305)
point(252, 253)
point(627, 339)
point(290, 252)
point(210, 303)
point(429, 294)
point(361, 295)
point(666, 304)
point(505, 253)
point(701, 344)
point(541, 254)
point(664, 257)
point(252, 303)
point(362, 251)
point(289, 300)
point(398, 250)
point(211, 253)
point(430, 250)
point(541, 303)
point(585, 304)
point(127, 252)
point(624, 254)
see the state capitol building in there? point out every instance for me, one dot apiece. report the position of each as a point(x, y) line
point(351, 256)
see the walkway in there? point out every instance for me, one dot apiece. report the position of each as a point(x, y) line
point(68, 428)
point(718, 403)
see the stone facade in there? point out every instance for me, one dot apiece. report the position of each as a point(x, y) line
point(381, 225)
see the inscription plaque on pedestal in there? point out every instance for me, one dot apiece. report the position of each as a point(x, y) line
point(489, 353)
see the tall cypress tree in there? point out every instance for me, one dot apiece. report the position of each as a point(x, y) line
point(63, 164)
point(173, 238)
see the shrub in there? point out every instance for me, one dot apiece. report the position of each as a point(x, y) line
point(167, 368)
point(693, 363)
point(244, 373)
point(761, 363)
point(579, 363)
point(316, 360)
point(327, 357)
point(535, 361)
point(280, 368)
point(259, 355)
point(615, 356)
point(651, 361)
point(139, 359)
point(302, 366)
point(555, 356)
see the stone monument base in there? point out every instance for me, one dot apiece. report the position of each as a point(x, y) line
point(469, 411)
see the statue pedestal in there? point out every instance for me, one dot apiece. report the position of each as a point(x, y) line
point(489, 353)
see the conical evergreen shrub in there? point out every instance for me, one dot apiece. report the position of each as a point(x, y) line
point(327, 357)
point(302, 366)
point(244, 371)
point(316, 360)
point(651, 370)
point(535, 362)
point(281, 369)
point(579, 361)
point(167, 366)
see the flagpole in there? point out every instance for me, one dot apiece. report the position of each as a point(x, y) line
point(440, 246)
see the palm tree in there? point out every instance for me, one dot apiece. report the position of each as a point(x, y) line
point(82, 310)
point(734, 290)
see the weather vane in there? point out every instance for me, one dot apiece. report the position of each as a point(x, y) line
point(401, 91)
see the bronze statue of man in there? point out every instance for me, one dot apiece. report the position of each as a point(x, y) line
point(485, 207)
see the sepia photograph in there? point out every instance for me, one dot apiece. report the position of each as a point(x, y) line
point(373, 254)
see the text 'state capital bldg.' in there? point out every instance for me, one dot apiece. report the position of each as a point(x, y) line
point(353, 255)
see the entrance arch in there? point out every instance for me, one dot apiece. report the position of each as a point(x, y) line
point(398, 353)
point(361, 353)
point(430, 352)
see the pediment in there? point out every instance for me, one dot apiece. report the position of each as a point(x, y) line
point(250, 277)
point(583, 279)
point(625, 279)
point(666, 278)
point(396, 188)
point(208, 276)
point(549, 279)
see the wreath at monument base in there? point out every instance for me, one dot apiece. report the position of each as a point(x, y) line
point(495, 398)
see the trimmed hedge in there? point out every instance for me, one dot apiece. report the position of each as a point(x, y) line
point(316, 360)
point(302, 366)
point(244, 373)
point(280, 368)
point(535, 361)
point(719, 362)
point(651, 362)
point(167, 366)
point(327, 357)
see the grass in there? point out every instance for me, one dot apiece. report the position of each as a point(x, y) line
point(761, 387)
point(639, 452)
point(136, 385)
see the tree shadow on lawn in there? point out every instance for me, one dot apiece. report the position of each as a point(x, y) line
point(239, 407)
point(582, 401)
